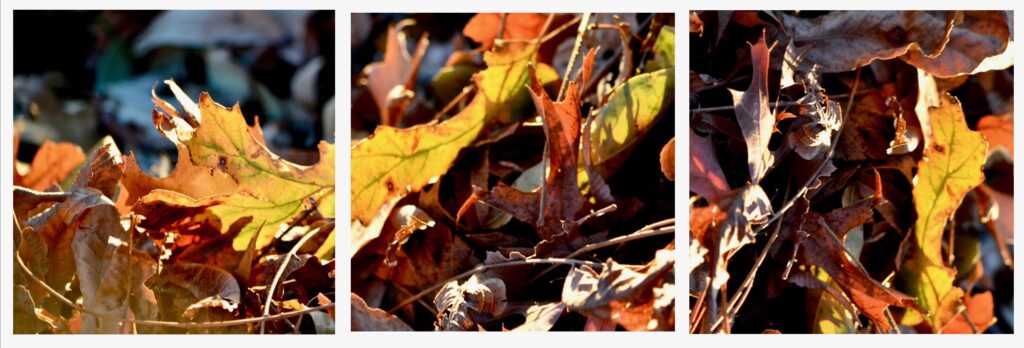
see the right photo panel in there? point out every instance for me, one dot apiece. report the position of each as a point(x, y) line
point(851, 172)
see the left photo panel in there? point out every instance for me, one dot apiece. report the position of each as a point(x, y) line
point(174, 172)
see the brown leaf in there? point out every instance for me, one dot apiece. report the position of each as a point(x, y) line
point(627, 295)
point(813, 135)
point(552, 210)
point(391, 82)
point(743, 209)
point(821, 247)
point(209, 289)
point(457, 304)
point(186, 178)
point(754, 116)
point(847, 40)
point(103, 171)
point(365, 318)
point(51, 164)
point(110, 273)
point(976, 35)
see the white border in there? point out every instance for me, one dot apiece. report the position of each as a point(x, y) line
point(342, 84)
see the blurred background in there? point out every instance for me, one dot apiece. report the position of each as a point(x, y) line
point(83, 75)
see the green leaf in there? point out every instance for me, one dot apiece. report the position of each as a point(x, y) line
point(217, 143)
point(631, 111)
point(664, 50)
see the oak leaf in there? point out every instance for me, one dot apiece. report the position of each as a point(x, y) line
point(951, 167)
point(755, 118)
point(269, 187)
point(821, 247)
point(552, 209)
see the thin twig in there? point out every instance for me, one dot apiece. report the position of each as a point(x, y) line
point(501, 26)
point(584, 24)
point(656, 229)
point(484, 268)
point(736, 303)
point(128, 292)
point(458, 99)
point(771, 105)
point(967, 318)
point(280, 273)
point(803, 190)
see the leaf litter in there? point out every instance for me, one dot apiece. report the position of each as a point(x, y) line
point(527, 202)
point(119, 251)
point(872, 141)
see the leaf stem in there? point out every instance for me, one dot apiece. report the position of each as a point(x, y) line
point(279, 274)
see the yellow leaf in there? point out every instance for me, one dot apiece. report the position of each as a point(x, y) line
point(394, 162)
point(951, 167)
point(219, 145)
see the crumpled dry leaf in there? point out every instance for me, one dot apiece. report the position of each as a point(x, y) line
point(814, 135)
point(208, 292)
point(391, 82)
point(636, 297)
point(755, 118)
point(457, 304)
point(976, 36)
point(365, 318)
point(847, 40)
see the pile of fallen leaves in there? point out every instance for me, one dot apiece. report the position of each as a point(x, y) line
point(233, 240)
point(851, 171)
point(494, 195)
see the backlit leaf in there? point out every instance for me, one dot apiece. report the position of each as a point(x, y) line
point(951, 167)
point(394, 162)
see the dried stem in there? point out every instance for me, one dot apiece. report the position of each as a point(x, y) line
point(458, 99)
point(280, 273)
point(656, 229)
point(584, 25)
